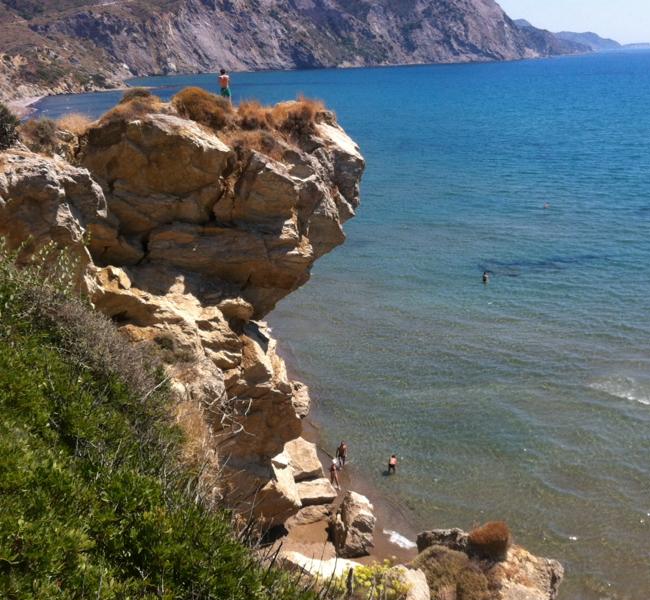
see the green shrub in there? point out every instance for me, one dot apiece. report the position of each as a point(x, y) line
point(452, 574)
point(372, 582)
point(8, 128)
point(203, 107)
point(95, 503)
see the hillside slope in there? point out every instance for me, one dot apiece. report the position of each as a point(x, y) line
point(81, 44)
point(593, 40)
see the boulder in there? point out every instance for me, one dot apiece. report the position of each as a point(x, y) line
point(321, 569)
point(278, 499)
point(516, 576)
point(310, 515)
point(317, 491)
point(455, 539)
point(414, 580)
point(526, 577)
point(353, 526)
point(303, 458)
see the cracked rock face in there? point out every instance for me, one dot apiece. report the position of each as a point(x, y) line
point(187, 244)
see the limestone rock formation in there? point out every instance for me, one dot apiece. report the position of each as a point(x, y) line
point(316, 491)
point(353, 526)
point(526, 577)
point(456, 539)
point(414, 580)
point(186, 244)
point(520, 576)
point(314, 567)
point(303, 459)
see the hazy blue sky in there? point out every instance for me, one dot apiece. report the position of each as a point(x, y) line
point(624, 20)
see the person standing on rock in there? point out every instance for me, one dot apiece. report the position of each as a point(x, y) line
point(342, 454)
point(334, 474)
point(224, 84)
point(392, 464)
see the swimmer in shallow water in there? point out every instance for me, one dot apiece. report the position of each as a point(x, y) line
point(486, 277)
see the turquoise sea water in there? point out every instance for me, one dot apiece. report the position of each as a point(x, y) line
point(527, 399)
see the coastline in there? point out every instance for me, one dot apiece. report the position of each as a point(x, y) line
point(392, 520)
point(23, 107)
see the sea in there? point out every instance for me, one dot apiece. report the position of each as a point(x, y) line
point(526, 399)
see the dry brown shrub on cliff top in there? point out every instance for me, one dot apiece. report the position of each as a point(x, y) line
point(135, 108)
point(451, 574)
point(75, 123)
point(203, 107)
point(133, 93)
point(261, 141)
point(299, 118)
point(252, 115)
point(491, 540)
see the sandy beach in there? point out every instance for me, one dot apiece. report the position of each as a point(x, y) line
point(23, 107)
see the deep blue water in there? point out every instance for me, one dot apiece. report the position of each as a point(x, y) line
point(527, 399)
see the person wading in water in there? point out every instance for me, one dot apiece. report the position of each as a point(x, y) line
point(334, 474)
point(392, 464)
point(342, 453)
point(224, 84)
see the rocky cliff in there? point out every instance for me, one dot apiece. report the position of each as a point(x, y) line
point(186, 243)
point(187, 237)
point(68, 46)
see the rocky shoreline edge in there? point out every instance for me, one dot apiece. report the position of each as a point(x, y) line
point(187, 237)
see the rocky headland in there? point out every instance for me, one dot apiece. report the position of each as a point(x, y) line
point(187, 236)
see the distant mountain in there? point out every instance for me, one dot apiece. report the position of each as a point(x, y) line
point(524, 24)
point(68, 45)
point(640, 46)
point(549, 42)
point(593, 40)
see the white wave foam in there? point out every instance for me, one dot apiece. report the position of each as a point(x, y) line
point(399, 540)
point(623, 387)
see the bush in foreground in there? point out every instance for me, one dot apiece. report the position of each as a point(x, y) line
point(95, 501)
point(8, 128)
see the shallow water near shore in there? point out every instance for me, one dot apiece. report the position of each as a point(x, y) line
point(527, 399)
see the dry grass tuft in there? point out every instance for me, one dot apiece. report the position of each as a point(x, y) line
point(40, 135)
point(252, 115)
point(136, 108)
point(260, 141)
point(133, 93)
point(491, 540)
point(451, 574)
point(198, 451)
point(298, 118)
point(75, 123)
point(203, 107)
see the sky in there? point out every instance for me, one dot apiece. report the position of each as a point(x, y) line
point(626, 21)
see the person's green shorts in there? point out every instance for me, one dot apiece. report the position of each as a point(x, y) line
point(225, 92)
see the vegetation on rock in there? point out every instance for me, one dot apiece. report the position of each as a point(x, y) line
point(8, 128)
point(40, 135)
point(490, 541)
point(203, 107)
point(452, 574)
point(96, 501)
